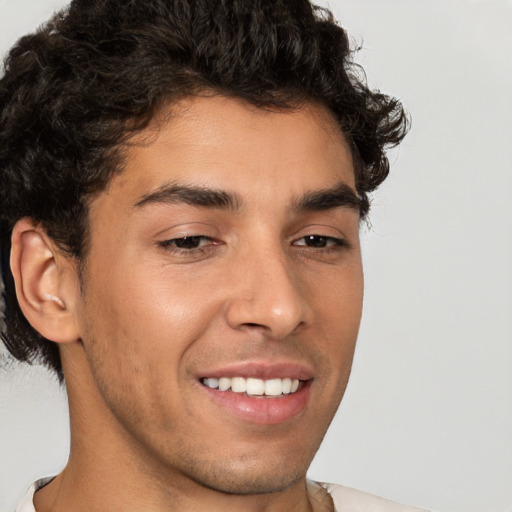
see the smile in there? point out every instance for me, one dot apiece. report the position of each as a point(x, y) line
point(253, 386)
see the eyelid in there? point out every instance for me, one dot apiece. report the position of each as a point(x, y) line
point(185, 229)
point(319, 229)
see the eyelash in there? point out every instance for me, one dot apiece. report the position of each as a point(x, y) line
point(171, 244)
point(336, 244)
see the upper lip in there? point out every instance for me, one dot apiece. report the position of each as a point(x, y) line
point(262, 370)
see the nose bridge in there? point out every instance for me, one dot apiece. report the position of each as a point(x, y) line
point(268, 293)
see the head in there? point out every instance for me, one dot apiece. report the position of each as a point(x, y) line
point(90, 108)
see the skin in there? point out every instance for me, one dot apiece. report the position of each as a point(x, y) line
point(150, 319)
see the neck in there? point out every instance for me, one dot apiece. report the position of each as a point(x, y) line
point(70, 492)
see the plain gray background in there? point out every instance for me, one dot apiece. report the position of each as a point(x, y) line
point(427, 418)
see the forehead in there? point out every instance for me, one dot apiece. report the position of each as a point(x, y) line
point(229, 144)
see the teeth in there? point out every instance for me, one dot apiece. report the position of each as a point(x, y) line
point(238, 385)
point(252, 386)
point(273, 387)
point(287, 385)
point(224, 384)
point(255, 386)
point(213, 383)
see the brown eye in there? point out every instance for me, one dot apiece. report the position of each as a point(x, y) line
point(187, 242)
point(319, 241)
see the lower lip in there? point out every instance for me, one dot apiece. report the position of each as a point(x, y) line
point(262, 410)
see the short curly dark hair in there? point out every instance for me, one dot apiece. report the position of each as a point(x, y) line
point(96, 73)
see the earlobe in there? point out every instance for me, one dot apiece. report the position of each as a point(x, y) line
point(41, 274)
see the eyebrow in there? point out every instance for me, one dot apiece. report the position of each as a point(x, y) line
point(339, 196)
point(192, 195)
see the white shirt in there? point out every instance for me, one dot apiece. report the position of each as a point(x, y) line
point(345, 499)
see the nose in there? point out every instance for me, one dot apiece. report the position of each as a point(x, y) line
point(268, 295)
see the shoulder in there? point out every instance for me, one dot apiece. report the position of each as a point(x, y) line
point(347, 499)
point(27, 504)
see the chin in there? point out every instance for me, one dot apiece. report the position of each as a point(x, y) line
point(247, 476)
point(246, 483)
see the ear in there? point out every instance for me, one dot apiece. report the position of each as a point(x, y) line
point(46, 282)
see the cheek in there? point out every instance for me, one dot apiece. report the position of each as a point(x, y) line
point(338, 315)
point(339, 297)
point(137, 331)
point(145, 325)
point(144, 307)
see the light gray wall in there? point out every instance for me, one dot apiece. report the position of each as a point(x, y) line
point(427, 418)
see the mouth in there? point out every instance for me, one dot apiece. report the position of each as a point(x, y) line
point(259, 393)
point(255, 387)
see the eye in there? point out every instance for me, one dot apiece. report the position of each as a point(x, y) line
point(320, 242)
point(187, 243)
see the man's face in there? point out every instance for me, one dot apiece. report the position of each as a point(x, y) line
point(226, 252)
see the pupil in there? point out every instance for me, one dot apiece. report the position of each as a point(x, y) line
point(315, 241)
point(188, 242)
